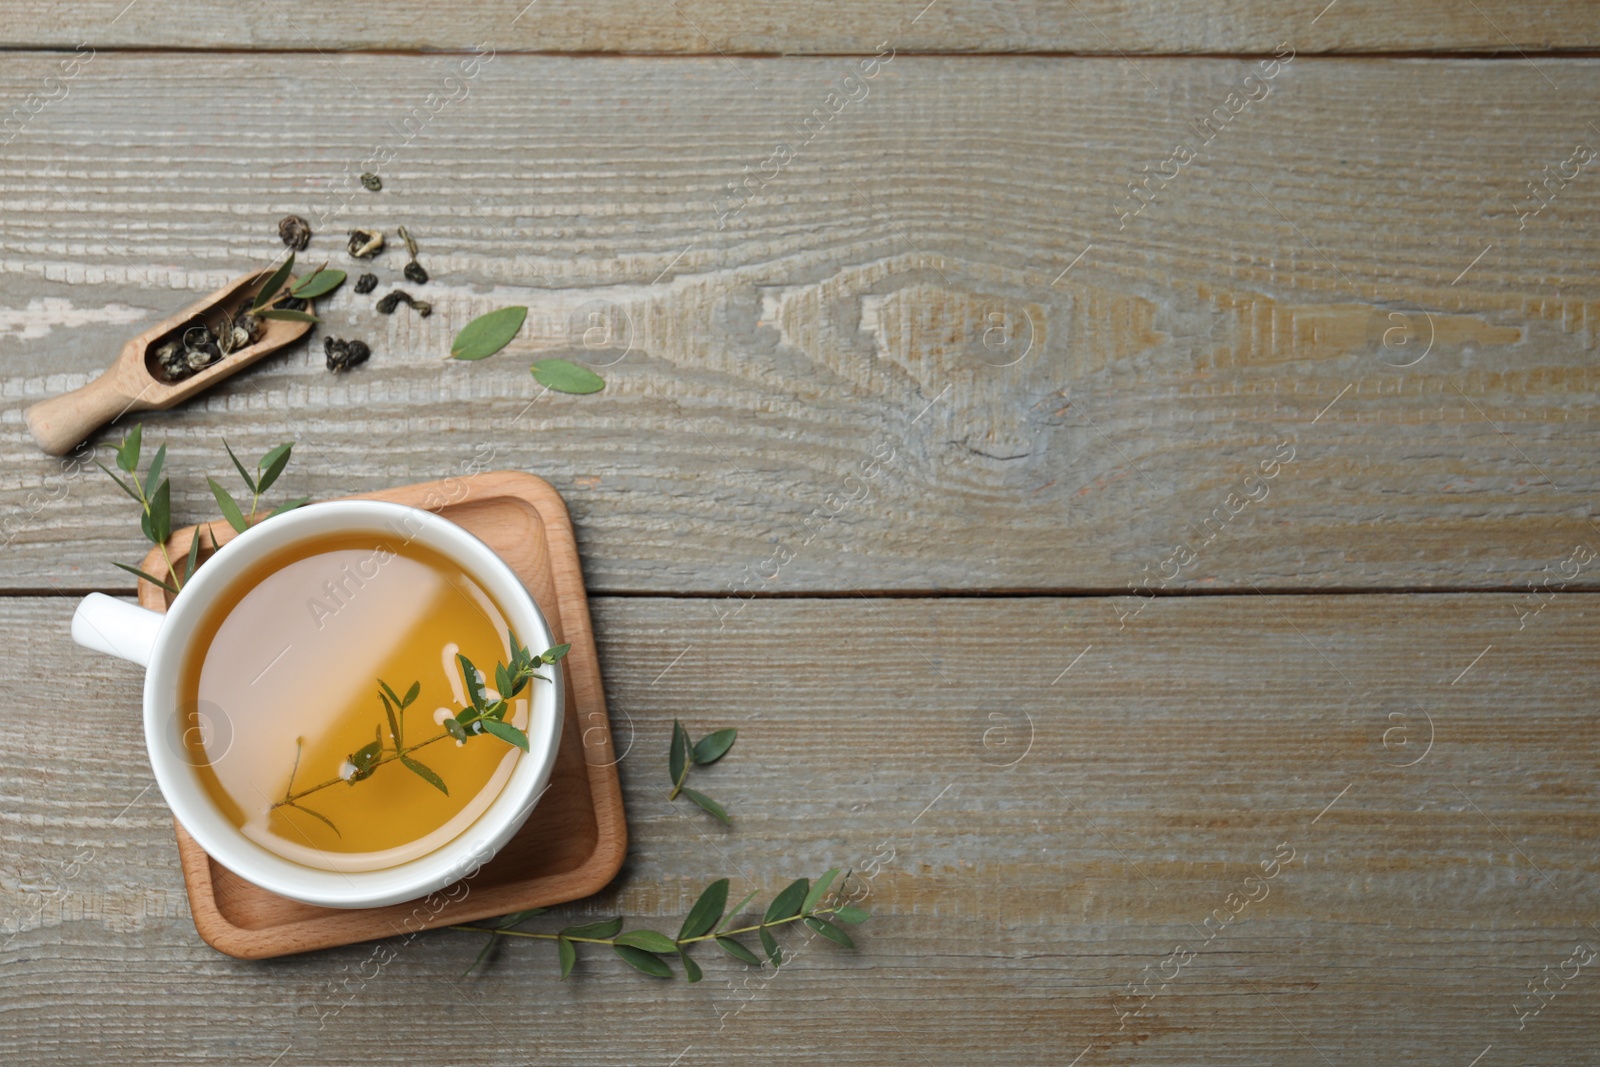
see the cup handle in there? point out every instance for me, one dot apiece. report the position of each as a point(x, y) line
point(116, 627)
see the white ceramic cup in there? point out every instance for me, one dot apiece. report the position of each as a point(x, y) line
point(160, 643)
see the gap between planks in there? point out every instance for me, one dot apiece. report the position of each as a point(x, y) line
point(1502, 54)
point(1041, 593)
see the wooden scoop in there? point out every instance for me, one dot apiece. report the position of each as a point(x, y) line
point(62, 422)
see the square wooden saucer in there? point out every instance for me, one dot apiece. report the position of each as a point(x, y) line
point(574, 842)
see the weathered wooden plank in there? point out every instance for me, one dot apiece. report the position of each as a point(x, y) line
point(888, 366)
point(793, 27)
point(1036, 842)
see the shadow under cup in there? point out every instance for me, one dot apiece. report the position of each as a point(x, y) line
point(170, 727)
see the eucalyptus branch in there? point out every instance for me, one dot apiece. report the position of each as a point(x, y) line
point(708, 920)
point(277, 299)
point(154, 496)
point(486, 713)
point(155, 507)
point(268, 467)
point(704, 752)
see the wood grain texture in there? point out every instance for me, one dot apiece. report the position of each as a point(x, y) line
point(797, 27)
point(1034, 841)
point(904, 297)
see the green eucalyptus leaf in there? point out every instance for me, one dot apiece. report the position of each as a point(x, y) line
point(128, 450)
point(469, 674)
point(554, 653)
point(193, 561)
point(455, 729)
point(287, 314)
point(649, 940)
point(274, 282)
point(230, 510)
point(737, 909)
point(770, 943)
point(394, 724)
point(707, 803)
point(488, 334)
point(603, 929)
point(640, 960)
point(507, 733)
point(272, 465)
point(124, 486)
point(502, 680)
point(706, 911)
point(364, 756)
point(248, 481)
point(161, 513)
point(678, 755)
point(153, 475)
point(786, 905)
point(714, 746)
point(564, 376)
point(517, 918)
point(287, 506)
point(738, 951)
point(852, 915)
point(568, 955)
point(483, 953)
point(818, 891)
point(830, 931)
point(152, 579)
point(322, 282)
point(384, 686)
point(691, 969)
point(319, 815)
point(411, 695)
point(272, 455)
point(425, 774)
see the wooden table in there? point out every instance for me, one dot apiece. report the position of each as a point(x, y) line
point(1172, 597)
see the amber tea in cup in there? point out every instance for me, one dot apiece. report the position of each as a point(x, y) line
point(279, 689)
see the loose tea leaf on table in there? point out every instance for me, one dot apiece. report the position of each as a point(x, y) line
point(681, 756)
point(564, 376)
point(488, 333)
